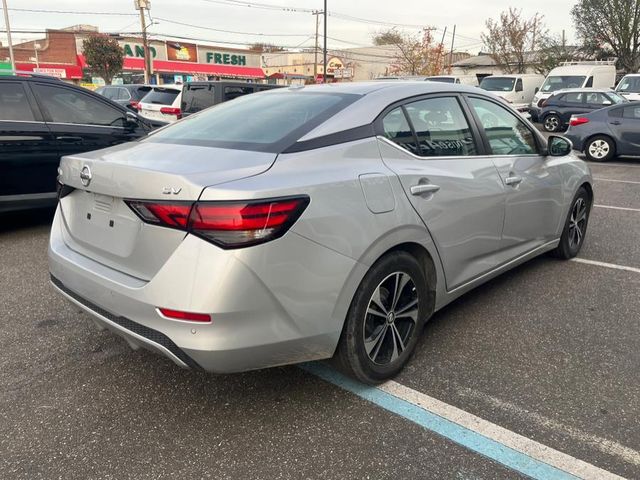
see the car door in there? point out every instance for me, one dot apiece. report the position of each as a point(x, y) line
point(28, 154)
point(82, 122)
point(596, 100)
point(625, 125)
point(534, 204)
point(455, 189)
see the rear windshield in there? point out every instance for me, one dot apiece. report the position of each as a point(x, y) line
point(267, 122)
point(552, 84)
point(497, 84)
point(441, 79)
point(161, 96)
point(629, 85)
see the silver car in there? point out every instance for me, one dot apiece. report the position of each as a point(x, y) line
point(306, 223)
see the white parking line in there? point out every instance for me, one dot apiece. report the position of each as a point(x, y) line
point(591, 164)
point(515, 451)
point(618, 208)
point(616, 181)
point(606, 265)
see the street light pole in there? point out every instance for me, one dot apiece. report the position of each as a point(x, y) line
point(324, 71)
point(6, 22)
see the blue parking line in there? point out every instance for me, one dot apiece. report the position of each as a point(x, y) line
point(491, 449)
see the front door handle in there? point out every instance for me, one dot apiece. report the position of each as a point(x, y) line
point(69, 139)
point(423, 188)
point(616, 122)
point(513, 180)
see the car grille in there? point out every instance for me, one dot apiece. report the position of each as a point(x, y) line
point(142, 330)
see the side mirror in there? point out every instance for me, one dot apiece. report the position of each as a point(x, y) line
point(131, 120)
point(559, 146)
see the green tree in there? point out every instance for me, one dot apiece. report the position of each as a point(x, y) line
point(611, 24)
point(512, 41)
point(104, 56)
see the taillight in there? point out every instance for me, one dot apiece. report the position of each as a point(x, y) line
point(135, 105)
point(185, 316)
point(575, 121)
point(229, 225)
point(172, 111)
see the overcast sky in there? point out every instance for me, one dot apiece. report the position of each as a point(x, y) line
point(298, 25)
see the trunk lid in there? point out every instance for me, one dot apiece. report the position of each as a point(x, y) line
point(100, 225)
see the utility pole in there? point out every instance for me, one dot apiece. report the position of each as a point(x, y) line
point(6, 22)
point(142, 5)
point(315, 55)
point(324, 72)
point(453, 39)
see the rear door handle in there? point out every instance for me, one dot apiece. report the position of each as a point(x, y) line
point(424, 188)
point(69, 139)
point(513, 180)
point(616, 122)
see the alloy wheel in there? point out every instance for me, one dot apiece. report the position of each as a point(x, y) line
point(551, 123)
point(391, 318)
point(599, 149)
point(577, 223)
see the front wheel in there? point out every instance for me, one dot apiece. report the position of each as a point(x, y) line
point(385, 319)
point(551, 123)
point(575, 227)
point(600, 149)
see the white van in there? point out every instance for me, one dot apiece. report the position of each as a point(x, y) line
point(517, 89)
point(459, 79)
point(629, 87)
point(596, 74)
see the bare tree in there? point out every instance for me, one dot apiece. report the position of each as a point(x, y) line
point(611, 24)
point(513, 41)
point(387, 37)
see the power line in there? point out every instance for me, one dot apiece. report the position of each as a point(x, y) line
point(67, 12)
point(232, 31)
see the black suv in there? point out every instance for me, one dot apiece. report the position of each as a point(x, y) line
point(42, 119)
point(197, 96)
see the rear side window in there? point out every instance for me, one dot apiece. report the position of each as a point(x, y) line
point(197, 97)
point(266, 122)
point(441, 128)
point(161, 96)
point(65, 105)
point(139, 92)
point(234, 92)
point(589, 83)
point(14, 104)
point(123, 94)
point(507, 134)
point(396, 128)
point(631, 112)
point(574, 97)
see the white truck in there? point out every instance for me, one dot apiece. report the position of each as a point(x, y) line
point(517, 89)
point(629, 87)
point(459, 79)
point(594, 74)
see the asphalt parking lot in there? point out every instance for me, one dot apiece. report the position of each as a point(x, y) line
point(550, 351)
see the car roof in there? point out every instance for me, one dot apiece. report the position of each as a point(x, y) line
point(584, 90)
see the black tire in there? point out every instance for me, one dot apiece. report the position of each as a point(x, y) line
point(552, 123)
point(365, 363)
point(568, 247)
point(600, 148)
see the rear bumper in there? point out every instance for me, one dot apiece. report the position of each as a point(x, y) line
point(272, 304)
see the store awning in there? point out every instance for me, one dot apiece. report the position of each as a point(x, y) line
point(166, 66)
point(72, 72)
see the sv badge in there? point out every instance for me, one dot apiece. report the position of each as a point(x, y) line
point(171, 190)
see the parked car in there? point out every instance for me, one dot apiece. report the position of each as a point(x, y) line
point(42, 119)
point(125, 95)
point(599, 74)
point(607, 133)
point(162, 103)
point(558, 109)
point(197, 96)
point(296, 223)
point(518, 90)
point(629, 87)
point(456, 79)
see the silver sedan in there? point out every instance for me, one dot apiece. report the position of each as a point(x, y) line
point(306, 223)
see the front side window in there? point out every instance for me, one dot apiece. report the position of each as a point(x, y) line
point(65, 105)
point(396, 128)
point(441, 128)
point(519, 87)
point(629, 85)
point(266, 122)
point(597, 98)
point(14, 104)
point(507, 134)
